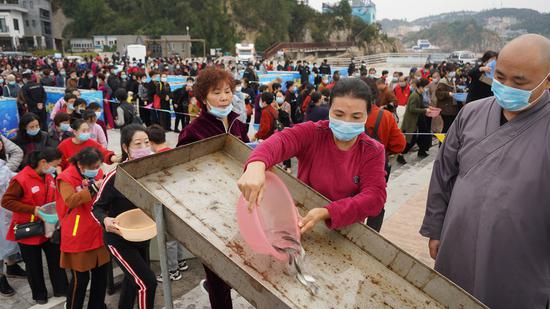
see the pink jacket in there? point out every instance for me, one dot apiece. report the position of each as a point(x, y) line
point(354, 179)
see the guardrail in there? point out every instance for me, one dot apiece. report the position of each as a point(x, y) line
point(391, 58)
point(272, 51)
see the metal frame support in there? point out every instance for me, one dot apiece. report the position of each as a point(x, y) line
point(161, 234)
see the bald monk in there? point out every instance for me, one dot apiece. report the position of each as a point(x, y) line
point(488, 209)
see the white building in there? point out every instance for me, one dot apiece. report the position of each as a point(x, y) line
point(26, 24)
point(100, 41)
point(81, 45)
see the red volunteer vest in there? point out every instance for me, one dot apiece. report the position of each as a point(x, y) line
point(80, 231)
point(37, 191)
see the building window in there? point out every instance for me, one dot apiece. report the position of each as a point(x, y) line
point(3, 26)
point(46, 28)
point(24, 4)
point(27, 23)
point(44, 14)
point(16, 24)
point(31, 4)
point(34, 23)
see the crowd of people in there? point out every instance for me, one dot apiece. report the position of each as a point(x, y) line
point(341, 129)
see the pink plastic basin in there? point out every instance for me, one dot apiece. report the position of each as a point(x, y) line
point(272, 223)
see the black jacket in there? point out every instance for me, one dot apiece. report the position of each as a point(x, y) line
point(478, 89)
point(109, 201)
point(33, 93)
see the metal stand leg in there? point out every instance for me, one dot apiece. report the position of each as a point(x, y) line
point(161, 234)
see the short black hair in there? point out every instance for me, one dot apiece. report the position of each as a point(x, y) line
point(88, 115)
point(423, 82)
point(352, 87)
point(156, 134)
point(49, 154)
point(275, 86)
point(121, 94)
point(93, 106)
point(77, 123)
point(69, 96)
point(61, 117)
point(267, 97)
point(87, 156)
point(79, 102)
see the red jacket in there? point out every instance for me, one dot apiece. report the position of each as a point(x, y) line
point(69, 149)
point(402, 94)
point(388, 133)
point(306, 103)
point(80, 231)
point(267, 122)
point(37, 191)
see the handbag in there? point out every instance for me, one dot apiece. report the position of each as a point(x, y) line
point(27, 230)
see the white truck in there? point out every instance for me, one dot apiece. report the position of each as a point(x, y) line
point(136, 51)
point(245, 52)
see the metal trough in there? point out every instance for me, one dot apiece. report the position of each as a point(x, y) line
point(355, 267)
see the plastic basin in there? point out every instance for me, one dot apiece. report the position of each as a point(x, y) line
point(135, 225)
point(48, 213)
point(272, 223)
point(460, 97)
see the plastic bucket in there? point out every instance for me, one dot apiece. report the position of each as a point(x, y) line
point(273, 224)
point(48, 213)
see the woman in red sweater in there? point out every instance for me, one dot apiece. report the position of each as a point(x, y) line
point(269, 119)
point(81, 140)
point(335, 157)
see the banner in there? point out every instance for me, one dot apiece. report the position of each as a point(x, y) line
point(9, 117)
point(53, 94)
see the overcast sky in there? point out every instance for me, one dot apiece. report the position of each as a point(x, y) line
point(410, 10)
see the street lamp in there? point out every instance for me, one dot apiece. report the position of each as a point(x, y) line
point(187, 28)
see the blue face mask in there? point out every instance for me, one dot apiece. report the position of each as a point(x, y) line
point(70, 106)
point(84, 136)
point(346, 131)
point(220, 113)
point(50, 170)
point(33, 132)
point(65, 127)
point(11, 83)
point(513, 99)
point(90, 173)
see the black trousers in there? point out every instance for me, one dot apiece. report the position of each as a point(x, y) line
point(376, 222)
point(219, 292)
point(139, 280)
point(32, 256)
point(165, 120)
point(424, 142)
point(184, 119)
point(98, 287)
point(144, 114)
point(447, 122)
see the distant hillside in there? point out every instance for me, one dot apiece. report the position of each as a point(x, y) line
point(457, 35)
point(221, 23)
point(505, 23)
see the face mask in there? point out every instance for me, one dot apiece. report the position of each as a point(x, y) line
point(280, 100)
point(70, 106)
point(50, 170)
point(62, 73)
point(84, 136)
point(346, 131)
point(513, 99)
point(436, 80)
point(98, 115)
point(402, 84)
point(90, 76)
point(12, 83)
point(452, 74)
point(123, 76)
point(65, 127)
point(140, 152)
point(33, 132)
point(238, 89)
point(220, 113)
point(164, 79)
point(90, 173)
point(1, 81)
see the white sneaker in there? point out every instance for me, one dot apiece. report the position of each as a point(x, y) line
point(203, 286)
point(174, 276)
point(182, 265)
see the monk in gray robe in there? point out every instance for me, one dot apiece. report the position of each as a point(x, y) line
point(488, 208)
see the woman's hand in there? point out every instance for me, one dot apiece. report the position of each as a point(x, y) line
point(98, 183)
point(485, 69)
point(252, 183)
point(433, 245)
point(36, 214)
point(110, 225)
point(313, 217)
point(116, 159)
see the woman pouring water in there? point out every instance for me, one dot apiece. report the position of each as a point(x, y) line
point(335, 157)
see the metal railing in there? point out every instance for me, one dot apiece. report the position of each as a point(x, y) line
point(293, 46)
point(391, 58)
